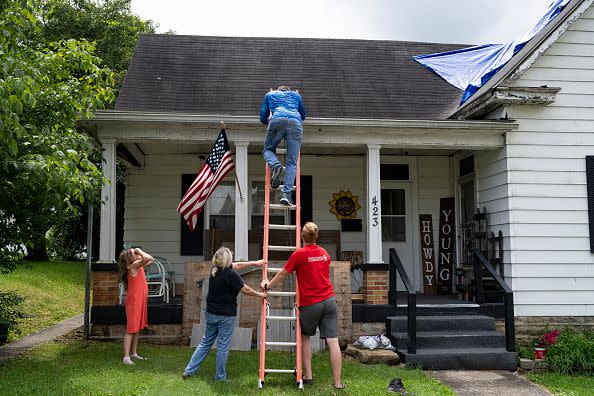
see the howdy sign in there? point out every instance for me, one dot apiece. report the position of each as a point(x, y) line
point(428, 255)
point(445, 259)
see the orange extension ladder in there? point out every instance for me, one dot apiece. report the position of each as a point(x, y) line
point(265, 315)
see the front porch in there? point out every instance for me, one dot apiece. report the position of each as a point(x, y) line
point(399, 171)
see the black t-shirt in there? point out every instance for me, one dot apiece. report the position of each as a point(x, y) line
point(223, 289)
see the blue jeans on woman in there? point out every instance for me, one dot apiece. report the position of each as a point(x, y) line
point(291, 130)
point(216, 326)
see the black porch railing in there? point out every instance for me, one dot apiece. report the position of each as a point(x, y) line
point(397, 267)
point(480, 262)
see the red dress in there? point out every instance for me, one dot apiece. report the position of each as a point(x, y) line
point(136, 301)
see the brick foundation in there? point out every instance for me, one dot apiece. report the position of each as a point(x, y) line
point(375, 287)
point(158, 333)
point(105, 288)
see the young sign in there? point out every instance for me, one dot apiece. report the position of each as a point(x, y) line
point(447, 232)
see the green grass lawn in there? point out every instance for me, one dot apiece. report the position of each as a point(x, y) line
point(53, 291)
point(565, 384)
point(95, 368)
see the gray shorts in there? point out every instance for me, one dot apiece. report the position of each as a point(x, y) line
point(323, 315)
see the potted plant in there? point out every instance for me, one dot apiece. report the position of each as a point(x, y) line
point(545, 341)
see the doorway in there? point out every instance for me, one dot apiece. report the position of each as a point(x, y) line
point(397, 228)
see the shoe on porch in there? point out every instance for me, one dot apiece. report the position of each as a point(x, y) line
point(275, 176)
point(286, 199)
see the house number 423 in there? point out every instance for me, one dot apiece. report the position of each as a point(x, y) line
point(374, 212)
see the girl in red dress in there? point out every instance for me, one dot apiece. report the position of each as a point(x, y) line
point(131, 263)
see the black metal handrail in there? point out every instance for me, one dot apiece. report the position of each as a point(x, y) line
point(396, 266)
point(508, 296)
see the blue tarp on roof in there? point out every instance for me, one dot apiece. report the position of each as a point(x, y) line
point(470, 68)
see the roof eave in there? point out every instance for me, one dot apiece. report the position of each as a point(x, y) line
point(104, 117)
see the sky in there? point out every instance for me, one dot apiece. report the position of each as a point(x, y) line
point(440, 21)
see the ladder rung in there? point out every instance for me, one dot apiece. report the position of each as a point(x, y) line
point(281, 151)
point(282, 185)
point(282, 207)
point(281, 293)
point(277, 248)
point(283, 371)
point(280, 343)
point(282, 226)
point(274, 270)
point(282, 317)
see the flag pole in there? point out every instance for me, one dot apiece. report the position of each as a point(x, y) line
point(235, 173)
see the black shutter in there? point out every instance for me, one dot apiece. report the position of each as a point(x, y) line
point(191, 242)
point(306, 200)
point(590, 184)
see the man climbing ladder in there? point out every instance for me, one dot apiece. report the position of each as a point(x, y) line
point(283, 112)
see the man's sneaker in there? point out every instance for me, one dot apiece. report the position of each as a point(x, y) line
point(286, 199)
point(275, 176)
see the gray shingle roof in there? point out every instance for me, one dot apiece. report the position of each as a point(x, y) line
point(336, 78)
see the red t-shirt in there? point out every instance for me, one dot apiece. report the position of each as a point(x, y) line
point(312, 265)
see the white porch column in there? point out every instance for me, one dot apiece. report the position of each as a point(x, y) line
point(374, 218)
point(108, 203)
point(242, 212)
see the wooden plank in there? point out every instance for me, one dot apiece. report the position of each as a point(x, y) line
point(554, 297)
point(549, 230)
point(539, 190)
point(551, 138)
point(551, 177)
point(549, 243)
point(535, 124)
point(553, 284)
point(553, 74)
point(550, 165)
point(551, 113)
point(548, 216)
point(553, 270)
point(565, 61)
point(548, 204)
point(571, 49)
point(553, 309)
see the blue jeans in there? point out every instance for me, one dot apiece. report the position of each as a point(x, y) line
point(292, 131)
point(216, 325)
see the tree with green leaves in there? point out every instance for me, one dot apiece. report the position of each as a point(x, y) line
point(110, 24)
point(47, 166)
point(114, 29)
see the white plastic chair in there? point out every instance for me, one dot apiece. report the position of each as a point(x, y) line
point(155, 279)
point(169, 273)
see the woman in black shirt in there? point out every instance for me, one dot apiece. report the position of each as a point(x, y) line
point(221, 310)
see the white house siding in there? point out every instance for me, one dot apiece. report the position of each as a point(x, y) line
point(152, 196)
point(553, 269)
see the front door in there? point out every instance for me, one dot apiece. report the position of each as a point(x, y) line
point(397, 228)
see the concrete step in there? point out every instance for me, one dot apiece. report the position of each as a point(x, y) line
point(468, 358)
point(453, 339)
point(444, 323)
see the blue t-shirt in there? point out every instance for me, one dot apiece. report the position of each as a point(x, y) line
point(223, 289)
point(286, 104)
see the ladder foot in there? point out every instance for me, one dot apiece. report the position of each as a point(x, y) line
point(300, 384)
point(260, 384)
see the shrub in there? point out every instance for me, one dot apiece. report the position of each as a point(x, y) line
point(573, 352)
point(9, 313)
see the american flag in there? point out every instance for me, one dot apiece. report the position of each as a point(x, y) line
point(216, 167)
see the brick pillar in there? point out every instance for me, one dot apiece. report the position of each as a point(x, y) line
point(105, 288)
point(375, 287)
